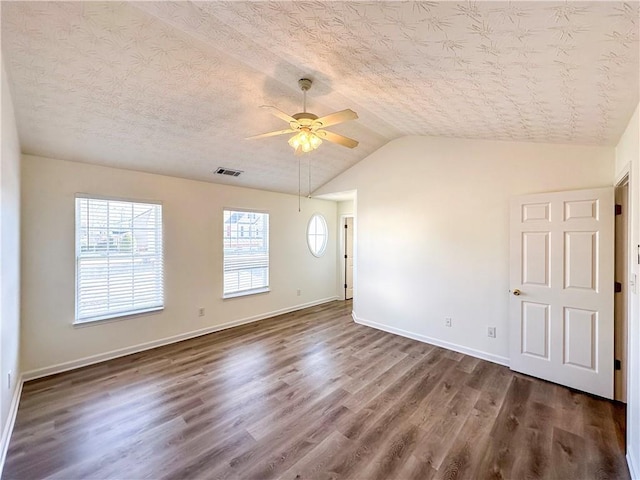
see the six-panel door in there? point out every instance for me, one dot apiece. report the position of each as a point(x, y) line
point(562, 264)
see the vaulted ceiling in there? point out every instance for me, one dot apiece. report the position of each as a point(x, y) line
point(174, 87)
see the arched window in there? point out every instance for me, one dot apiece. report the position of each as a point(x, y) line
point(317, 235)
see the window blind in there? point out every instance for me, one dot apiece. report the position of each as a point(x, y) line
point(119, 262)
point(246, 252)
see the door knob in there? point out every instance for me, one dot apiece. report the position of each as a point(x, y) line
point(516, 292)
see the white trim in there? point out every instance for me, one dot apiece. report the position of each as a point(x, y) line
point(633, 470)
point(624, 174)
point(10, 422)
point(246, 293)
point(243, 210)
point(625, 180)
point(117, 199)
point(83, 362)
point(116, 316)
point(434, 341)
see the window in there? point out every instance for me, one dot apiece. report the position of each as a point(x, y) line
point(246, 253)
point(119, 267)
point(317, 234)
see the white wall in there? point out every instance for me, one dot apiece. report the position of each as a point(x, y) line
point(433, 237)
point(346, 207)
point(628, 159)
point(628, 149)
point(9, 255)
point(192, 219)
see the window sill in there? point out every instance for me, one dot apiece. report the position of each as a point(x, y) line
point(245, 293)
point(115, 317)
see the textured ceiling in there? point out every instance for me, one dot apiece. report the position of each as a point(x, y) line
point(174, 88)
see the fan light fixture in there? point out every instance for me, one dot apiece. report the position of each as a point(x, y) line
point(305, 140)
point(309, 129)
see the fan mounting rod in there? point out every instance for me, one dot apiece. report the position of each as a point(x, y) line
point(305, 84)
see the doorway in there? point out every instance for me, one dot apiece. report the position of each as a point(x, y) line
point(348, 257)
point(621, 302)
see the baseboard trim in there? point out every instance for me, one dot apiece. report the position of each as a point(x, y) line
point(11, 420)
point(433, 341)
point(633, 469)
point(93, 359)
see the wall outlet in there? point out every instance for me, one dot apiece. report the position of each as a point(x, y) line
point(298, 292)
point(9, 380)
point(447, 322)
point(491, 332)
point(201, 312)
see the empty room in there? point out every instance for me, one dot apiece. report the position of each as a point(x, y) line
point(312, 240)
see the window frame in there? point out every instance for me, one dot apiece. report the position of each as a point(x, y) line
point(252, 291)
point(113, 316)
point(325, 244)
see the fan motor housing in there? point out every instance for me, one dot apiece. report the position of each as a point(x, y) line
point(305, 118)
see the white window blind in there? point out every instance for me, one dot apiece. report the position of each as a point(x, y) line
point(119, 264)
point(246, 252)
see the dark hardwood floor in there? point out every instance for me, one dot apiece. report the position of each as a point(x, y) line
point(310, 395)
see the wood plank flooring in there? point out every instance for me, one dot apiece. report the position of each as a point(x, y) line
point(310, 395)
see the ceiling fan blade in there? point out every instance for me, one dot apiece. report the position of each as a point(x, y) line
point(271, 134)
point(279, 113)
point(335, 118)
point(336, 138)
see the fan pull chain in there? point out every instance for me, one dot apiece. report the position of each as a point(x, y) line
point(309, 168)
point(299, 182)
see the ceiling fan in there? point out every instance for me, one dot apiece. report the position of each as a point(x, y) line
point(309, 128)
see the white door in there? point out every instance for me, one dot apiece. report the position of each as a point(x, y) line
point(561, 301)
point(348, 258)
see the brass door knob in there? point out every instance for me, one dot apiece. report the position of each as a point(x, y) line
point(516, 292)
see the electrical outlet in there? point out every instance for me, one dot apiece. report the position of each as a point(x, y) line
point(298, 292)
point(9, 380)
point(491, 332)
point(447, 322)
point(201, 312)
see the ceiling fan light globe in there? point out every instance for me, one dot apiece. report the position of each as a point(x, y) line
point(305, 141)
point(315, 141)
point(295, 141)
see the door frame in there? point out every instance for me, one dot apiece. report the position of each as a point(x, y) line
point(341, 254)
point(628, 285)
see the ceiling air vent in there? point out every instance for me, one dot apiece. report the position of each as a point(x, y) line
point(227, 171)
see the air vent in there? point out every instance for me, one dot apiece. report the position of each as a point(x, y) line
point(227, 171)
